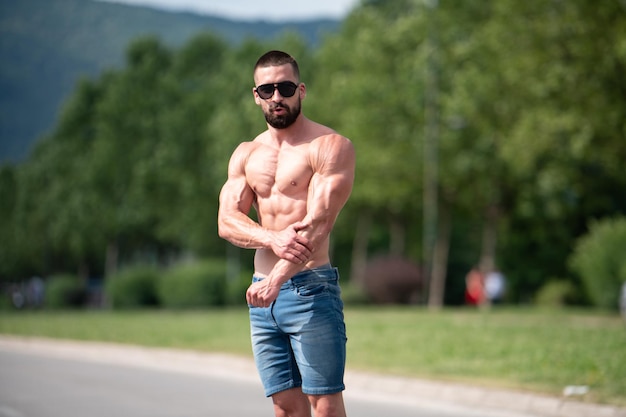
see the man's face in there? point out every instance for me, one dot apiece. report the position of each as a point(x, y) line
point(280, 112)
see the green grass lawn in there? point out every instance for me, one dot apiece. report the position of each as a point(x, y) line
point(535, 350)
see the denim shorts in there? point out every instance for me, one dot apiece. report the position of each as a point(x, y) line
point(300, 340)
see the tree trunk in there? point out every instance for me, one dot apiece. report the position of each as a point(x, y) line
point(437, 286)
point(110, 266)
point(83, 271)
point(359, 249)
point(489, 239)
point(397, 234)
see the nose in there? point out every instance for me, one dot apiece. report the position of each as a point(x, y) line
point(276, 94)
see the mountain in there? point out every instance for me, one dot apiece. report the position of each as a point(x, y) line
point(47, 45)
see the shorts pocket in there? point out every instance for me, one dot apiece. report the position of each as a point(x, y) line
point(313, 289)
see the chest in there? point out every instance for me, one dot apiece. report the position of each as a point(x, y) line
point(271, 171)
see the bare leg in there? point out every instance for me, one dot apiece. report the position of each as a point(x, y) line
point(328, 405)
point(291, 403)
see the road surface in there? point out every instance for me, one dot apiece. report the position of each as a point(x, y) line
point(67, 379)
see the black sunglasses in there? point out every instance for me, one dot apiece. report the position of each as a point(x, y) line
point(285, 88)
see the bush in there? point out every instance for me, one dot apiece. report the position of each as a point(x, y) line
point(65, 291)
point(392, 280)
point(600, 261)
point(194, 285)
point(133, 287)
point(354, 295)
point(236, 288)
point(558, 293)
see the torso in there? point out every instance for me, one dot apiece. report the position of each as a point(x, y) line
point(280, 177)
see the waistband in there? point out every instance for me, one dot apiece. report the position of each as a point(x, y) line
point(320, 273)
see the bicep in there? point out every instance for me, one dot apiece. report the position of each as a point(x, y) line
point(328, 194)
point(236, 194)
point(331, 184)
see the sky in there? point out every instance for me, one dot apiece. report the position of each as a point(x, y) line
point(269, 10)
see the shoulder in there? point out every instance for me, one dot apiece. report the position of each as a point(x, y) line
point(244, 149)
point(331, 152)
point(335, 140)
point(325, 137)
point(332, 144)
point(240, 156)
point(247, 147)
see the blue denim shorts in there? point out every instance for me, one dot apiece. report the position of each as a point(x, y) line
point(300, 340)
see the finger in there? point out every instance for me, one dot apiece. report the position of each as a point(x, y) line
point(302, 241)
point(299, 226)
point(301, 246)
point(306, 250)
point(252, 296)
point(297, 251)
point(298, 257)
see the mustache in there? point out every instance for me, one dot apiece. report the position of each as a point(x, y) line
point(278, 106)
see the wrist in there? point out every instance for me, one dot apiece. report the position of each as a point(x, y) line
point(264, 238)
point(276, 281)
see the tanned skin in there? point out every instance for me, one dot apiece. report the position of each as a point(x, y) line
point(297, 178)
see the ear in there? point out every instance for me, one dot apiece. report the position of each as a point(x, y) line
point(302, 90)
point(257, 99)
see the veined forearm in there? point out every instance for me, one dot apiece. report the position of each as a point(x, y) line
point(317, 233)
point(243, 232)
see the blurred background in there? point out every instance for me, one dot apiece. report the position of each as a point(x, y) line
point(490, 139)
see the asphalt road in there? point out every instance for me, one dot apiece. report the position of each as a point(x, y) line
point(40, 386)
point(35, 384)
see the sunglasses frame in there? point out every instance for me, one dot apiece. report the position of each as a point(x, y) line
point(277, 86)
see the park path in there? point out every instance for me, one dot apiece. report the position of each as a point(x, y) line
point(360, 385)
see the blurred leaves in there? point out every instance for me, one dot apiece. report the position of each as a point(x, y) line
point(531, 121)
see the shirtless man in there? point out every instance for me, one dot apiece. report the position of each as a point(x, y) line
point(297, 175)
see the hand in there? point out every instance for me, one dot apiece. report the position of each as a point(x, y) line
point(262, 293)
point(290, 246)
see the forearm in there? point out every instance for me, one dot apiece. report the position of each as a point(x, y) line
point(243, 232)
point(317, 234)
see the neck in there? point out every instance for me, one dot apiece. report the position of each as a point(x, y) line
point(291, 133)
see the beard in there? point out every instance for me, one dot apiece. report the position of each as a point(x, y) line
point(283, 121)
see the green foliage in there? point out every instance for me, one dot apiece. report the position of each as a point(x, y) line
point(525, 100)
point(599, 260)
point(133, 287)
point(353, 295)
point(558, 293)
point(194, 285)
point(236, 288)
point(65, 291)
point(9, 254)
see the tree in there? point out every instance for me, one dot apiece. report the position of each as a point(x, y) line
point(352, 94)
point(127, 127)
point(564, 65)
point(9, 252)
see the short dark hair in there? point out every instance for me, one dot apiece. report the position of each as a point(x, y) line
point(277, 58)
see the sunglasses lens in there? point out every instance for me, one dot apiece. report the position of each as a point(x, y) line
point(265, 91)
point(286, 89)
